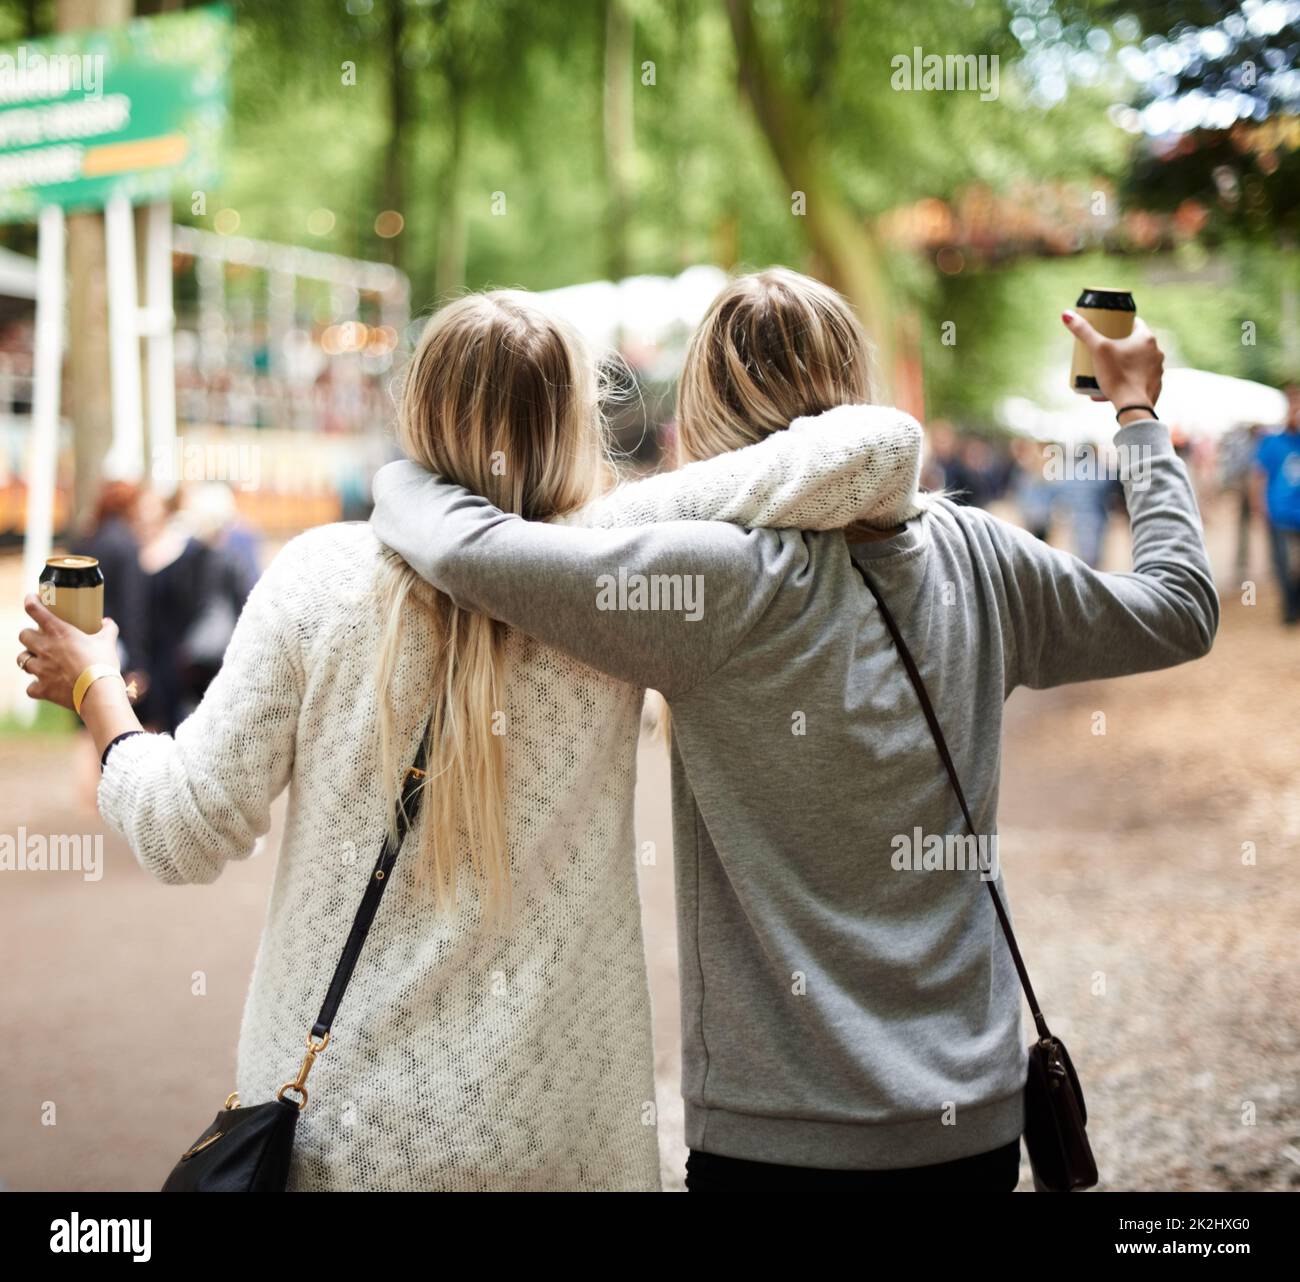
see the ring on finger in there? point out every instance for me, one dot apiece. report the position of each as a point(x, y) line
point(24, 659)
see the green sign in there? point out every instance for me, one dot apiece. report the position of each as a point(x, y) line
point(139, 109)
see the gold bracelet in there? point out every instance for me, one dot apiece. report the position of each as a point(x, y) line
point(88, 679)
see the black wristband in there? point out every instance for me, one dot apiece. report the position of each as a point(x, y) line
point(103, 761)
point(1150, 409)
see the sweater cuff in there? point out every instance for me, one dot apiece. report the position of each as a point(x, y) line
point(1146, 433)
point(126, 734)
point(124, 771)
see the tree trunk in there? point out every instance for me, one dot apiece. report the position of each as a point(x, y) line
point(451, 213)
point(399, 119)
point(618, 137)
point(846, 249)
point(88, 390)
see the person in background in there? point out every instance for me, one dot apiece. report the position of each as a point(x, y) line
point(113, 542)
point(170, 559)
point(1034, 493)
point(1278, 459)
point(1087, 497)
point(225, 569)
point(211, 513)
point(946, 469)
point(988, 476)
point(1236, 465)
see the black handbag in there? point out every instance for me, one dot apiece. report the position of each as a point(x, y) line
point(247, 1150)
point(1056, 1117)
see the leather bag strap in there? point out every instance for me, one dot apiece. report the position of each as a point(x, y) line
point(914, 675)
point(408, 807)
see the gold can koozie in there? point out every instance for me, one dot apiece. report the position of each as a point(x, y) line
point(72, 587)
point(1110, 312)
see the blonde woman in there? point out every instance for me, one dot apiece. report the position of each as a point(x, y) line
point(848, 1021)
point(496, 1032)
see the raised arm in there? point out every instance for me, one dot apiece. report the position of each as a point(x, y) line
point(661, 606)
point(1073, 623)
point(854, 463)
point(187, 805)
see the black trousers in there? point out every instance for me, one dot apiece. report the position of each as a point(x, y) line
point(994, 1172)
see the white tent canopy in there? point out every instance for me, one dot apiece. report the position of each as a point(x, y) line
point(1205, 404)
point(642, 310)
point(1197, 402)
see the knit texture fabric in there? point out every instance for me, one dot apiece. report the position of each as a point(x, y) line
point(462, 1058)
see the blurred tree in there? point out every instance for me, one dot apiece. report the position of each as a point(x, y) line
point(400, 121)
point(1233, 68)
point(88, 388)
point(619, 138)
point(846, 246)
point(629, 136)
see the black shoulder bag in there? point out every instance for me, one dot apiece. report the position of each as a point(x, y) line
point(247, 1150)
point(1056, 1117)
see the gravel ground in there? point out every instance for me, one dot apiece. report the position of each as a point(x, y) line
point(1165, 956)
point(1168, 963)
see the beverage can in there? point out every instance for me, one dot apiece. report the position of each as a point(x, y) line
point(72, 587)
point(1110, 312)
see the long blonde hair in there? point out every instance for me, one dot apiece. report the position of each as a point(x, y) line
point(501, 398)
point(774, 346)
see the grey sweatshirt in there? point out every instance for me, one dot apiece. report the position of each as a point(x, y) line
point(841, 1006)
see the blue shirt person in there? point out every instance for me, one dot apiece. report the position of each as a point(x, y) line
point(1278, 457)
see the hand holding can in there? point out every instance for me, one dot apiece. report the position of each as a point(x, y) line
point(72, 589)
point(1111, 312)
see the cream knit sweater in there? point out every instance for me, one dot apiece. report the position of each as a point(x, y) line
point(460, 1059)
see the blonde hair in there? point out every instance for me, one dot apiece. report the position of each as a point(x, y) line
point(501, 398)
point(773, 347)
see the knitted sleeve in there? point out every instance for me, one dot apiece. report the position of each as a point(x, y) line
point(187, 805)
point(852, 463)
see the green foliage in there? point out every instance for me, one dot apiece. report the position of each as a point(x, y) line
point(51, 721)
point(1008, 331)
point(456, 100)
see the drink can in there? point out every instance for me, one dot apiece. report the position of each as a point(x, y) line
point(72, 587)
point(1110, 312)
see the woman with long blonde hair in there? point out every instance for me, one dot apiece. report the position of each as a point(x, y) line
point(496, 1030)
point(850, 1010)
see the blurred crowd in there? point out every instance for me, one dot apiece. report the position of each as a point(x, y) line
point(1260, 468)
point(1045, 483)
point(305, 386)
point(1072, 490)
point(177, 571)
